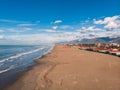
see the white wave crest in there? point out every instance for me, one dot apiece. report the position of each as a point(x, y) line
point(21, 54)
point(11, 67)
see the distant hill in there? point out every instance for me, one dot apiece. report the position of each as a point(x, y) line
point(94, 40)
point(101, 40)
point(117, 40)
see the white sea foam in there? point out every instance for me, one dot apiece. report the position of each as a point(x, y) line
point(49, 49)
point(21, 54)
point(5, 70)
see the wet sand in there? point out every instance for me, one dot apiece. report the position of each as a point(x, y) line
point(68, 68)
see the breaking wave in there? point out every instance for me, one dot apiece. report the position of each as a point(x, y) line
point(19, 55)
point(5, 70)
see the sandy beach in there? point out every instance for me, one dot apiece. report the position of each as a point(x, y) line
point(68, 68)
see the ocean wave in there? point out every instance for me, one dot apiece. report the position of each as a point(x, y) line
point(1, 64)
point(5, 70)
point(21, 54)
point(49, 50)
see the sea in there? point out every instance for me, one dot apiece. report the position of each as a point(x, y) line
point(17, 58)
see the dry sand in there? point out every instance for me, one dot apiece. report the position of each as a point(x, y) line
point(68, 68)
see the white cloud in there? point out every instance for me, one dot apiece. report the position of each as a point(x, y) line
point(18, 30)
point(1, 30)
point(66, 27)
point(1, 36)
point(58, 33)
point(54, 37)
point(8, 21)
point(27, 29)
point(113, 34)
point(15, 30)
point(87, 21)
point(68, 36)
point(31, 38)
point(57, 21)
point(109, 22)
point(54, 27)
point(40, 38)
point(50, 31)
point(26, 24)
point(89, 29)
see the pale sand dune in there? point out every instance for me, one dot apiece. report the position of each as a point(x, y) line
point(68, 68)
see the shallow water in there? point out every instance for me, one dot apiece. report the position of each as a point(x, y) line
point(14, 59)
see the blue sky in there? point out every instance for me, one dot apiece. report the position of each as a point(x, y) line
point(57, 20)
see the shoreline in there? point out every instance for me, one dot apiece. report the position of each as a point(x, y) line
point(22, 73)
point(42, 64)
